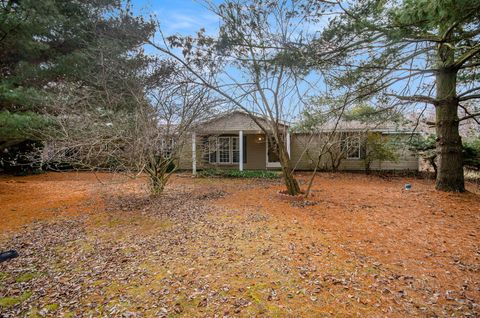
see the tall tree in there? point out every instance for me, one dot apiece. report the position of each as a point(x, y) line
point(412, 52)
point(253, 71)
point(52, 43)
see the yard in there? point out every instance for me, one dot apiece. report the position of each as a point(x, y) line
point(98, 245)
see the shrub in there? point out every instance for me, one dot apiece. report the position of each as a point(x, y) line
point(260, 174)
point(471, 154)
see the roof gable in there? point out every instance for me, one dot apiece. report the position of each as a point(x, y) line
point(234, 121)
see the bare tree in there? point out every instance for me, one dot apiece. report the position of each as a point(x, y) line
point(176, 111)
point(146, 137)
point(253, 70)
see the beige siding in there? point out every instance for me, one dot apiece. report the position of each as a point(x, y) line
point(305, 151)
point(185, 161)
point(233, 123)
point(352, 165)
point(256, 155)
point(402, 164)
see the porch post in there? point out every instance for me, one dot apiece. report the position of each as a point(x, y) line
point(194, 153)
point(240, 145)
point(288, 143)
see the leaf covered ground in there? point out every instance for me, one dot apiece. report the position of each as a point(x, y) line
point(99, 246)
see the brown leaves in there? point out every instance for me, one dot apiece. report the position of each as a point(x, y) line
point(188, 254)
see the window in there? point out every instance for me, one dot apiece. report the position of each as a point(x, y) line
point(225, 150)
point(351, 146)
point(212, 150)
point(167, 148)
point(235, 150)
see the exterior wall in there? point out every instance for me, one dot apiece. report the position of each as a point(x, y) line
point(407, 160)
point(305, 151)
point(185, 162)
point(256, 155)
point(232, 123)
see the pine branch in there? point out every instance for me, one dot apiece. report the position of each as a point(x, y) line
point(465, 57)
point(464, 98)
point(416, 98)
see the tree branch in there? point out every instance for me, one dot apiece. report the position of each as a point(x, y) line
point(464, 98)
point(416, 98)
point(466, 56)
point(470, 116)
point(469, 91)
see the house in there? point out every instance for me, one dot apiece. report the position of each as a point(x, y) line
point(233, 140)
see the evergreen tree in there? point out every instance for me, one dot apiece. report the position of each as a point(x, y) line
point(50, 45)
point(412, 52)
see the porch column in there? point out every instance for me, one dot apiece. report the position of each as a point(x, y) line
point(240, 147)
point(288, 143)
point(194, 153)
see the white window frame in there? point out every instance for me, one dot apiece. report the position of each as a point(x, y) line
point(216, 148)
point(221, 151)
point(350, 141)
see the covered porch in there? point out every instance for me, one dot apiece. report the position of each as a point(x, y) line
point(242, 150)
point(233, 140)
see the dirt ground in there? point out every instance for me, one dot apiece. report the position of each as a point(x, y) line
point(96, 245)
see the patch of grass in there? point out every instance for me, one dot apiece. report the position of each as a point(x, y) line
point(3, 276)
point(258, 294)
point(12, 301)
point(138, 292)
point(8, 301)
point(247, 174)
point(254, 294)
point(33, 313)
point(372, 270)
point(51, 307)
point(189, 307)
point(25, 277)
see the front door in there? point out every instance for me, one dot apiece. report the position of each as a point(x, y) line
point(272, 154)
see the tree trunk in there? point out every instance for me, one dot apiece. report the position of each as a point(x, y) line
point(449, 148)
point(158, 175)
point(449, 144)
point(156, 186)
point(310, 183)
point(291, 183)
point(367, 167)
point(432, 162)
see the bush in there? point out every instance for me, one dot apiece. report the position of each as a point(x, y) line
point(20, 159)
point(260, 174)
point(471, 154)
